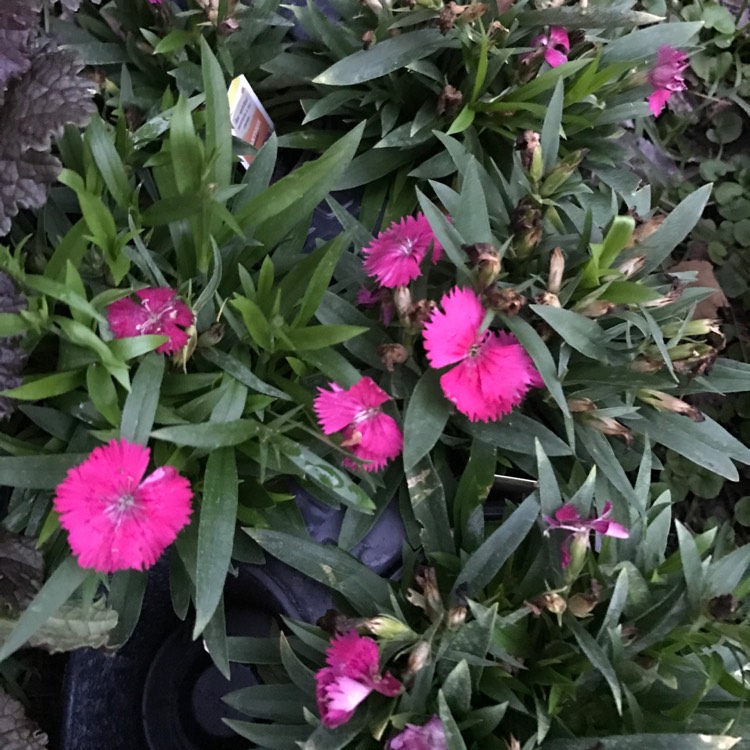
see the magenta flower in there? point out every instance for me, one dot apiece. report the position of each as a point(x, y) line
point(493, 372)
point(555, 44)
point(115, 518)
point(666, 77)
point(351, 675)
point(395, 255)
point(158, 312)
point(429, 736)
point(568, 519)
point(368, 433)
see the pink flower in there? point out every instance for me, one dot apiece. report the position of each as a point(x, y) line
point(429, 736)
point(368, 433)
point(556, 46)
point(115, 518)
point(158, 312)
point(568, 519)
point(666, 77)
point(493, 371)
point(351, 675)
point(395, 255)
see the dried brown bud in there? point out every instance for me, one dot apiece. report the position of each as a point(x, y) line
point(505, 300)
point(581, 605)
point(644, 229)
point(420, 312)
point(527, 143)
point(632, 266)
point(646, 364)
point(367, 39)
point(211, 336)
point(447, 18)
point(597, 308)
point(550, 600)
point(455, 617)
point(392, 355)
point(449, 101)
point(512, 743)
point(427, 581)
point(722, 607)
point(334, 622)
point(486, 259)
point(548, 299)
point(527, 227)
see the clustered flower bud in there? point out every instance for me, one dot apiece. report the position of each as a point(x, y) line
point(526, 224)
point(486, 259)
point(505, 300)
point(449, 101)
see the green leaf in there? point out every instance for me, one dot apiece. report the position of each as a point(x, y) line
point(549, 492)
point(366, 590)
point(108, 162)
point(643, 43)
point(538, 351)
point(215, 639)
point(324, 474)
point(428, 503)
point(280, 703)
point(215, 534)
point(692, 568)
point(518, 433)
point(103, 393)
point(457, 688)
point(298, 193)
point(47, 386)
point(426, 416)
point(218, 124)
point(484, 564)
point(463, 120)
point(209, 435)
point(126, 592)
point(550, 140)
point(596, 17)
point(240, 372)
point(38, 472)
point(383, 58)
point(317, 283)
point(319, 337)
point(598, 659)
point(578, 331)
point(185, 148)
point(651, 741)
point(59, 587)
point(676, 226)
point(453, 738)
point(143, 400)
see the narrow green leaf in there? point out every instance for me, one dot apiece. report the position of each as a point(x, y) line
point(143, 400)
point(426, 415)
point(126, 598)
point(384, 57)
point(218, 124)
point(47, 386)
point(538, 351)
point(37, 472)
point(58, 588)
point(209, 435)
point(366, 590)
point(484, 564)
point(453, 738)
point(580, 332)
point(319, 337)
point(643, 43)
point(692, 568)
point(240, 372)
point(218, 518)
point(549, 491)
point(103, 393)
point(428, 502)
point(651, 741)
point(108, 162)
point(550, 140)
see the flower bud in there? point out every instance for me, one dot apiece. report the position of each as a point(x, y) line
point(580, 404)
point(672, 296)
point(529, 143)
point(386, 626)
point(551, 601)
point(556, 270)
point(561, 172)
point(392, 355)
point(419, 313)
point(402, 301)
point(367, 39)
point(664, 402)
point(419, 657)
point(597, 308)
point(526, 224)
point(433, 602)
point(646, 364)
point(211, 336)
point(722, 607)
point(485, 258)
point(456, 617)
point(609, 426)
point(582, 605)
point(579, 549)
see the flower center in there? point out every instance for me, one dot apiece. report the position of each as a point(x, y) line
point(364, 415)
point(406, 246)
point(122, 506)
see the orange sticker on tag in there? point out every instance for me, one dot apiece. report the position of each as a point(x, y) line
point(250, 121)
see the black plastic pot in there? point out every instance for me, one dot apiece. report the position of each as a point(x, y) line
point(161, 691)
